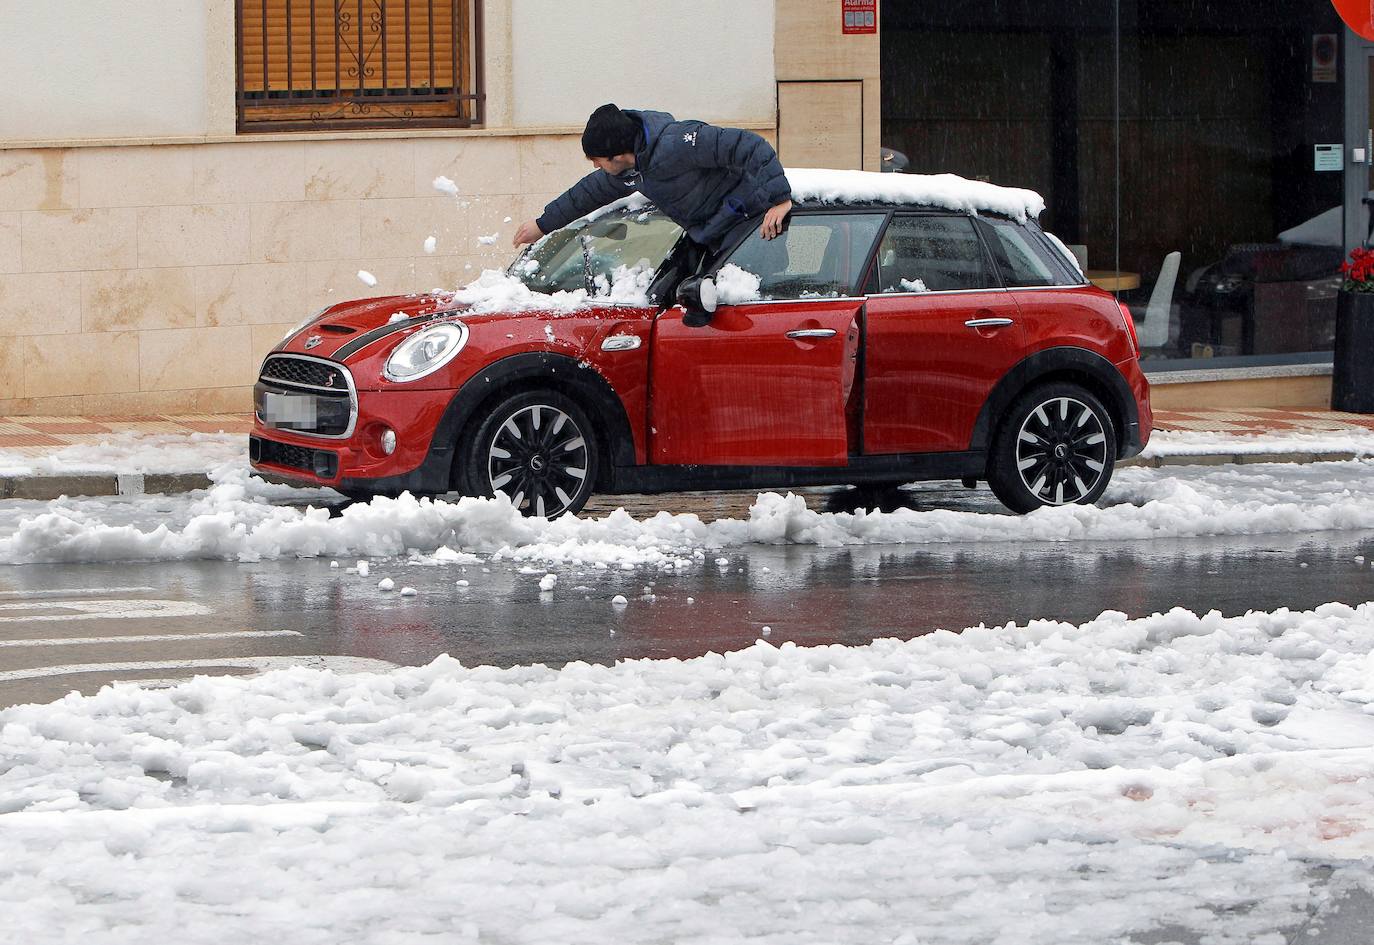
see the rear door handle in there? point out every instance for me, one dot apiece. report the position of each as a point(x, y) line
point(811, 333)
point(987, 323)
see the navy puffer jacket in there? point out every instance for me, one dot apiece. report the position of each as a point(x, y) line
point(706, 179)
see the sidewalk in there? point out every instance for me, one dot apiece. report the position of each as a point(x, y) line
point(48, 457)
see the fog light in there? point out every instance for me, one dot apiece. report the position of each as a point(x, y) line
point(389, 442)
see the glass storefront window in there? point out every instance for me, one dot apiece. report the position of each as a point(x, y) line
point(1152, 129)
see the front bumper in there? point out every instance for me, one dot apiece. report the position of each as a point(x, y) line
point(357, 462)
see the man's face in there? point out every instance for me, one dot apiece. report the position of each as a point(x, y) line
point(615, 166)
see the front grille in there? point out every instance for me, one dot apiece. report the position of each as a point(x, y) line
point(305, 395)
point(303, 371)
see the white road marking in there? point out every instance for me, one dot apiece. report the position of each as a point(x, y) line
point(340, 664)
point(153, 638)
point(103, 609)
point(75, 591)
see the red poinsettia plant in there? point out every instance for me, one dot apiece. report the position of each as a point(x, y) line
point(1359, 271)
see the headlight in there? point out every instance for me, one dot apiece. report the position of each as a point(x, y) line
point(426, 351)
point(306, 323)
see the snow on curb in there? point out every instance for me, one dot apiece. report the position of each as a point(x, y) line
point(1067, 783)
point(132, 453)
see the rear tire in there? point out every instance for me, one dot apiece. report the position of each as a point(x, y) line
point(1055, 446)
point(536, 447)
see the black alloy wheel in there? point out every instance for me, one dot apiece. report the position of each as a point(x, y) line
point(1056, 446)
point(536, 448)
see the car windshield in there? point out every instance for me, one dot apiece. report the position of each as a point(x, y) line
point(619, 243)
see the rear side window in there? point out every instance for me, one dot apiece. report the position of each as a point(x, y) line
point(1023, 256)
point(823, 255)
point(931, 254)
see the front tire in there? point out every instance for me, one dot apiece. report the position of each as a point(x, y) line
point(1055, 446)
point(537, 448)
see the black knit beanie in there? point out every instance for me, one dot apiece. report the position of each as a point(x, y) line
point(609, 132)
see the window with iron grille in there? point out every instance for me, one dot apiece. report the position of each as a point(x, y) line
point(310, 64)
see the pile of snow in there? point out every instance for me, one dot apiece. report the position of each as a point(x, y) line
point(1041, 784)
point(498, 291)
point(133, 452)
point(242, 518)
point(933, 190)
point(735, 285)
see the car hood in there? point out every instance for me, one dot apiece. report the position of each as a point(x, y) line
point(348, 326)
point(351, 331)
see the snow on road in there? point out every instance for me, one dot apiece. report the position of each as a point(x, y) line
point(1045, 783)
point(243, 518)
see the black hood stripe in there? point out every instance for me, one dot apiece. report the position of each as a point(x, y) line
point(376, 334)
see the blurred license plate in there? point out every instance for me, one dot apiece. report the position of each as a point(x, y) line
point(289, 410)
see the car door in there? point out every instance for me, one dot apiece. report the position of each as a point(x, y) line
point(941, 332)
point(768, 380)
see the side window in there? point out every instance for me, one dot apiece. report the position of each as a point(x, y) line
point(821, 255)
point(931, 254)
point(1022, 255)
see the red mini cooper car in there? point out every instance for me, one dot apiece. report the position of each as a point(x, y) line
point(874, 343)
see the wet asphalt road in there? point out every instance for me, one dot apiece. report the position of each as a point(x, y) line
point(62, 626)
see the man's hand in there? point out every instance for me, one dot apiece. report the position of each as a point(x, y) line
point(772, 220)
point(527, 233)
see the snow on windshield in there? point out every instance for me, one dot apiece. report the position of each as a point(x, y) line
point(496, 290)
point(933, 190)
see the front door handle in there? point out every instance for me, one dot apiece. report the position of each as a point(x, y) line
point(811, 333)
point(987, 323)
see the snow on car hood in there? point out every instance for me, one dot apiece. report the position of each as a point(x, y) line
point(934, 190)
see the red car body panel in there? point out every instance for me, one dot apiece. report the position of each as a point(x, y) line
point(928, 374)
point(879, 379)
point(741, 392)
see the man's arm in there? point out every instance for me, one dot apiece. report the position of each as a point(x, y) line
point(590, 193)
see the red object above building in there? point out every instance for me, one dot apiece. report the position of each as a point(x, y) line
point(1358, 15)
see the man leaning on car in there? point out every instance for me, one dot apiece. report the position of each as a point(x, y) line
point(706, 179)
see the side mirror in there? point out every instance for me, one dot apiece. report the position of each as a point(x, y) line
point(697, 294)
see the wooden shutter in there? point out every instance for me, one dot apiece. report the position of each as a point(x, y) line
point(371, 51)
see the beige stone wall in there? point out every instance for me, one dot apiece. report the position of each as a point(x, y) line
point(154, 278)
point(829, 111)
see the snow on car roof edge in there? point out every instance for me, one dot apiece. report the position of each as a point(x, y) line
point(935, 190)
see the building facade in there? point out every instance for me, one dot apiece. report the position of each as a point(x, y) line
point(182, 183)
point(1206, 160)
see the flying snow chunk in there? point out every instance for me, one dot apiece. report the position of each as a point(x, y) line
point(489, 240)
point(408, 592)
point(431, 244)
point(366, 278)
point(619, 601)
point(386, 584)
point(397, 317)
point(506, 220)
point(442, 183)
point(547, 582)
point(362, 568)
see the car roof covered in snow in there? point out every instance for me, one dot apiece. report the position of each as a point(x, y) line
point(812, 185)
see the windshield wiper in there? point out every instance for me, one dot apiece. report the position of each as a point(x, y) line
point(587, 278)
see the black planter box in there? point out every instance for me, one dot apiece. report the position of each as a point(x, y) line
point(1352, 369)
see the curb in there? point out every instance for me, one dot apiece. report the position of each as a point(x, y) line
point(46, 488)
point(54, 487)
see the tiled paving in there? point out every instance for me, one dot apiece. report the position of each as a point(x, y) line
point(1263, 419)
point(39, 436)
